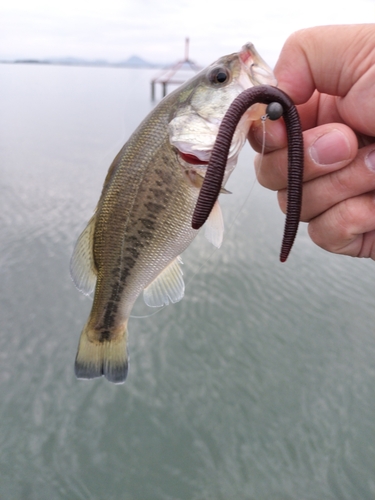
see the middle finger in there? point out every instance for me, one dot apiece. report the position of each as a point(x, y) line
point(322, 193)
point(327, 148)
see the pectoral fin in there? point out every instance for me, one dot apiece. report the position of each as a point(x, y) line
point(82, 265)
point(214, 228)
point(168, 287)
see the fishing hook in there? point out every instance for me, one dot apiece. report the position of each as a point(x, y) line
point(265, 94)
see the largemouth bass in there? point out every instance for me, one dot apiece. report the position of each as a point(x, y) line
point(142, 222)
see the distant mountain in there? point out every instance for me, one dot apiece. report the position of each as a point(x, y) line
point(137, 62)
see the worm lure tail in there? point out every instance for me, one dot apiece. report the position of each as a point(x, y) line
point(210, 190)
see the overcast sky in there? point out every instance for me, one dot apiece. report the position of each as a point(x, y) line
point(155, 29)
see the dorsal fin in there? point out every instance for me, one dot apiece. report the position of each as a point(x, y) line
point(168, 287)
point(82, 265)
point(214, 227)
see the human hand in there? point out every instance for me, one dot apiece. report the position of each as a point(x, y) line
point(329, 72)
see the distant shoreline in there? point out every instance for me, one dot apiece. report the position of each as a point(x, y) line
point(133, 62)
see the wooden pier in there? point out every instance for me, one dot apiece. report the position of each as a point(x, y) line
point(170, 75)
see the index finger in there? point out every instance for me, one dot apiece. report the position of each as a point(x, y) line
point(335, 60)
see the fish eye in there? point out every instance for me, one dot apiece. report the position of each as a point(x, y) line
point(218, 75)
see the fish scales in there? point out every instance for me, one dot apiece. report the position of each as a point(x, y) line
point(153, 195)
point(140, 201)
point(142, 222)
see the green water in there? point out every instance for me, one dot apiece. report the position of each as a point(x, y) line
point(258, 385)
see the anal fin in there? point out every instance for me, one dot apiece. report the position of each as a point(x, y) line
point(167, 287)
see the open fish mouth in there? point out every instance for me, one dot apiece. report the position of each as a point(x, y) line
point(255, 66)
point(195, 149)
point(192, 155)
point(191, 159)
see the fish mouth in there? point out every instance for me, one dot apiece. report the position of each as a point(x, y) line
point(191, 155)
point(191, 159)
point(256, 68)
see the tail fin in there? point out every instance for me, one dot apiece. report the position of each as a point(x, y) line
point(108, 358)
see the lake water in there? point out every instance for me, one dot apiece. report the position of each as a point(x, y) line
point(258, 385)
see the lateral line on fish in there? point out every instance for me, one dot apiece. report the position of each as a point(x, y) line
point(126, 225)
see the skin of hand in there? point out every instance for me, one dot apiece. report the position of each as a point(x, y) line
point(329, 73)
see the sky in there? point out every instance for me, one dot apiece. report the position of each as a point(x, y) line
point(156, 29)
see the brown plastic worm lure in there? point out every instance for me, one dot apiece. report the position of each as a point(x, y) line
point(265, 94)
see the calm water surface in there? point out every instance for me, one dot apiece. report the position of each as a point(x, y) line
point(258, 385)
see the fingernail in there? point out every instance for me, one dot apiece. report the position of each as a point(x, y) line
point(330, 148)
point(370, 160)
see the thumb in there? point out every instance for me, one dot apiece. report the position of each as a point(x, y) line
point(335, 60)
